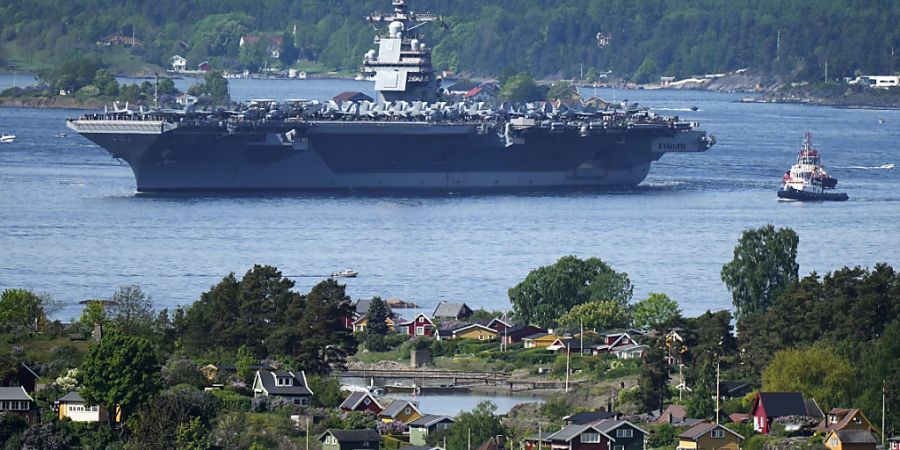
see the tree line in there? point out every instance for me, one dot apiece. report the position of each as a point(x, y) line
point(638, 40)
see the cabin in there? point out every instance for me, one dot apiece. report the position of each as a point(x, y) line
point(462, 87)
point(22, 376)
point(456, 311)
point(420, 428)
point(850, 440)
point(204, 66)
point(282, 383)
point(499, 323)
point(635, 351)
point(844, 419)
point(734, 389)
point(475, 332)
point(361, 401)
point(516, 333)
point(73, 407)
point(893, 443)
point(768, 406)
point(361, 308)
point(709, 436)
point(179, 63)
point(350, 440)
point(608, 434)
point(359, 326)
point(15, 399)
point(421, 325)
point(540, 340)
point(400, 411)
point(673, 414)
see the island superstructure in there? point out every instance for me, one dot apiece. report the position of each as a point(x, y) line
point(411, 138)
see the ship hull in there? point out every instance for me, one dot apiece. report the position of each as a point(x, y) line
point(377, 156)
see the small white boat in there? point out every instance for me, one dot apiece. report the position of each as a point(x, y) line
point(7, 138)
point(888, 166)
point(345, 274)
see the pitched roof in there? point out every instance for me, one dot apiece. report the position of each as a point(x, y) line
point(537, 336)
point(704, 427)
point(415, 320)
point(14, 393)
point(353, 96)
point(355, 398)
point(268, 381)
point(856, 437)
point(429, 420)
point(607, 425)
point(844, 415)
point(362, 307)
point(780, 404)
point(445, 309)
point(395, 407)
point(678, 413)
point(474, 325)
point(353, 435)
point(73, 397)
point(589, 417)
point(568, 433)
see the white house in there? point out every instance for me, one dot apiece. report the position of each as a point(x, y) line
point(877, 81)
point(73, 407)
point(179, 63)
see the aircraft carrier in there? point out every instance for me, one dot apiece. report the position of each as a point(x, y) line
point(412, 137)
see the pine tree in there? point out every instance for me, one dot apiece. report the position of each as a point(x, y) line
point(377, 328)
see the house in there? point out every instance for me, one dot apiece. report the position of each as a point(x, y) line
point(562, 344)
point(179, 63)
point(540, 340)
point(893, 443)
point(119, 38)
point(607, 434)
point(877, 81)
point(709, 436)
point(361, 401)
point(421, 325)
point(739, 417)
point(282, 383)
point(359, 325)
point(850, 440)
point(666, 81)
point(273, 43)
point(446, 328)
point(400, 411)
point(420, 428)
point(475, 332)
point(586, 417)
point(350, 440)
point(15, 399)
point(186, 100)
point(73, 407)
point(22, 376)
point(352, 96)
point(616, 339)
point(634, 351)
point(516, 333)
point(844, 419)
point(768, 406)
point(204, 66)
point(675, 415)
point(461, 87)
point(362, 308)
point(480, 94)
point(458, 311)
point(499, 323)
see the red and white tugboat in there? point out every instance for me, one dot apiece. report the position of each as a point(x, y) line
point(807, 179)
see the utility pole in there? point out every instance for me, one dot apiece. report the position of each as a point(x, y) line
point(778, 46)
point(717, 390)
point(470, 438)
point(156, 92)
point(883, 401)
point(826, 70)
point(568, 347)
point(541, 435)
point(307, 432)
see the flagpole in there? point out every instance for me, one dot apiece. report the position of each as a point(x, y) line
point(567, 368)
point(883, 408)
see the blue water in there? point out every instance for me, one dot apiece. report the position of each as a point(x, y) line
point(71, 224)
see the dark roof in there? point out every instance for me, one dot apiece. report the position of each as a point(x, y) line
point(536, 336)
point(453, 310)
point(704, 427)
point(569, 432)
point(464, 85)
point(394, 408)
point(362, 307)
point(352, 96)
point(267, 378)
point(14, 393)
point(589, 417)
point(429, 420)
point(356, 398)
point(522, 330)
point(856, 437)
point(353, 435)
point(780, 404)
point(731, 386)
point(73, 397)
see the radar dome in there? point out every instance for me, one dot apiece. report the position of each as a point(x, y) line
point(395, 28)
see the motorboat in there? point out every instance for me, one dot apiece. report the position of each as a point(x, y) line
point(807, 180)
point(7, 138)
point(345, 274)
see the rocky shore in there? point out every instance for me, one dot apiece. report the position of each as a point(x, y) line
point(57, 102)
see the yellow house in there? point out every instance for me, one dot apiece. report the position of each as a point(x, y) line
point(844, 419)
point(709, 436)
point(540, 340)
point(73, 407)
point(475, 332)
point(400, 411)
point(850, 440)
point(360, 325)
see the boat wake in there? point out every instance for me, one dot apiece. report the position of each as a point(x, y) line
point(889, 166)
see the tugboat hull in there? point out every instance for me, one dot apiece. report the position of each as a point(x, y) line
point(794, 194)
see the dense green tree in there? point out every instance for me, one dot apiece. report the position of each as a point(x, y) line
point(21, 311)
point(562, 90)
point(596, 315)
point(220, 34)
point(130, 311)
point(701, 402)
point(655, 310)
point(377, 327)
point(818, 372)
point(167, 87)
point(94, 313)
point(213, 90)
point(880, 370)
point(106, 82)
point(475, 427)
point(522, 88)
point(550, 291)
point(180, 415)
point(764, 265)
point(120, 371)
point(653, 382)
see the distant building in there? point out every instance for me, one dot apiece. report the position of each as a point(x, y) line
point(877, 81)
point(768, 406)
point(352, 96)
point(400, 411)
point(186, 100)
point(475, 332)
point(425, 425)
point(709, 436)
point(273, 43)
point(73, 407)
point(361, 401)
point(204, 66)
point(844, 419)
point(15, 399)
point(894, 443)
point(350, 440)
point(179, 63)
point(359, 325)
point(458, 311)
point(284, 384)
point(421, 325)
point(850, 440)
point(23, 376)
point(666, 81)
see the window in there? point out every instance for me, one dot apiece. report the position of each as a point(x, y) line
point(421, 319)
point(857, 420)
point(590, 438)
point(285, 381)
point(624, 433)
point(834, 442)
point(480, 337)
point(717, 433)
point(420, 331)
point(330, 440)
point(407, 411)
point(367, 401)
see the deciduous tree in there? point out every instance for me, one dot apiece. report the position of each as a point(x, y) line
point(476, 426)
point(764, 265)
point(818, 372)
point(21, 311)
point(596, 315)
point(655, 310)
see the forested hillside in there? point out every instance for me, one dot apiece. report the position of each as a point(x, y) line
point(648, 38)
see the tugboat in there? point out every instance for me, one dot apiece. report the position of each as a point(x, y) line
point(807, 179)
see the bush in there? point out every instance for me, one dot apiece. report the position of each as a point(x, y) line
point(394, 340)
point(232, 401)
point(662, 435)
point(88, 91)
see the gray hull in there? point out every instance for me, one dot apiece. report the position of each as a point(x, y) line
point(373, 155)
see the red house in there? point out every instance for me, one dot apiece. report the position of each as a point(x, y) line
point(361, 401)
point(768, 406)
point(421, 325)
point(498, 324)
